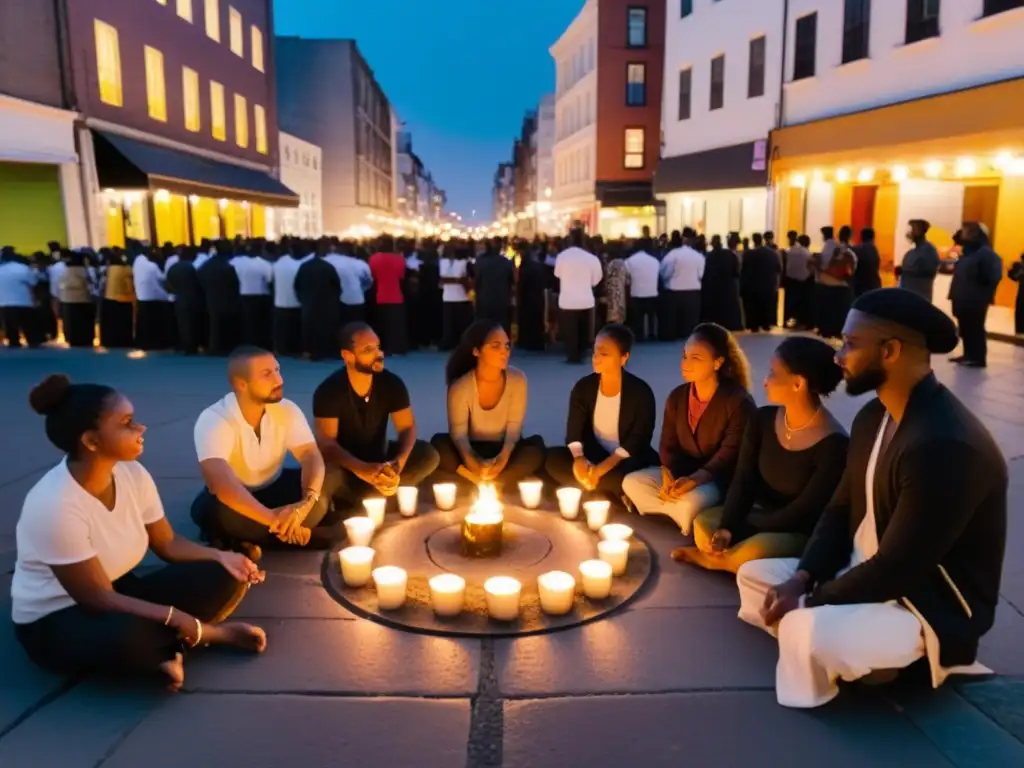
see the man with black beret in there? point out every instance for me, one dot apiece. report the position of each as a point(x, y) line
point(906, 560)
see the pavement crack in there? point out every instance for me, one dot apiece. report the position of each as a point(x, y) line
point(487, 714)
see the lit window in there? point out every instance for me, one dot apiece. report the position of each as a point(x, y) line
point(108, 64)
point(241, 121)
point(634, 148)
point(185, 10)
point(162, 2)
point(213, 19)
point(237, 40)
point(190, 90)
point(636, 86)
point(257, 48)
point(218, 121)
point(260, 118)
point(156, 89)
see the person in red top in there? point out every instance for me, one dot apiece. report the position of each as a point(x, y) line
point(388, 270)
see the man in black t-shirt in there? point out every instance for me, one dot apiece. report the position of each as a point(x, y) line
point(351, 409)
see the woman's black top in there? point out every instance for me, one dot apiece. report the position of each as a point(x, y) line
point(636, 415)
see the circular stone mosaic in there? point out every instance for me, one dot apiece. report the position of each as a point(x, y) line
point(533, 543)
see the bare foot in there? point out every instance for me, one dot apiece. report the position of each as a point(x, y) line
point(236, 634)
point(175, 672)
point(694, 556)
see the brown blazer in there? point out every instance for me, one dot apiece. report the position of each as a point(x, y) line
point(714, 450)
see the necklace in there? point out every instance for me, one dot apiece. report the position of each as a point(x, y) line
point(791, 430)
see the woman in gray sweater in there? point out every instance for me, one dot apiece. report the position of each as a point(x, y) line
point(486, 410)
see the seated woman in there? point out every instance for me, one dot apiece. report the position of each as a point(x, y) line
point(702, 431)
point(792, 459)
point(486, 409)
point(610, 423)
point(77, 607)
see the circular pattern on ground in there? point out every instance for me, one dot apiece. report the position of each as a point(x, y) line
point(534, 542)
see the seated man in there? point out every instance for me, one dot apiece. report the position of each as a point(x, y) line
point(361, 398)
point(241, 442)
point(905, 562)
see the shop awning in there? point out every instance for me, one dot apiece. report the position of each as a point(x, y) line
point(625, 194)
point(740, 166)
point(124, 163)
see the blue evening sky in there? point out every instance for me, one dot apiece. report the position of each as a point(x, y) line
point(460, 73)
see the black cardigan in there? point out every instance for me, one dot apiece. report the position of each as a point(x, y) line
point(636, 415)
point(940, 492)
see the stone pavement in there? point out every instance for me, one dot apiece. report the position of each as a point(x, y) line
point(673, 680)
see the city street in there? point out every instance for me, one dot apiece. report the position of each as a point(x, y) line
point(675, 679)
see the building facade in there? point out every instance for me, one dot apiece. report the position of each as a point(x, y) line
point(525, 157)
point(545, 162)
point(503, 195)
point(419, 200)
point(301, 172)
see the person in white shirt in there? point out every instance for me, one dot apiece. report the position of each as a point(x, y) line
point(287, 310)
point(54, 272)
point(255, 274)
point(682, 269)
point(78, 608)
point(456, 308)
point(17, 280)
point(241, 443)
point(154, 315)
point(643, 270)
point(356, 279)
point(578, 272)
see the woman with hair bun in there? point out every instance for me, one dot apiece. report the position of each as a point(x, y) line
point(85, 526)
point(793, 456)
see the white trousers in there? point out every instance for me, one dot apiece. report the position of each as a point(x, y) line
point(819, 646)
point(642, 489)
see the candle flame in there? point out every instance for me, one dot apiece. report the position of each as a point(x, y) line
point(488, 507)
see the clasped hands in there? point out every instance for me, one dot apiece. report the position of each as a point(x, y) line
point(673, 489)
point(288, 521)
point(587, 475)
point(479, 470)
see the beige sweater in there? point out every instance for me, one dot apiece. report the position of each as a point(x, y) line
point(503, 423)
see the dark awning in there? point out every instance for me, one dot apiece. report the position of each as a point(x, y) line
point(625, 194)
point(127, 163)
point(720, 168)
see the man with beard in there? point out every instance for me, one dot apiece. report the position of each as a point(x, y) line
point(362, 397)
point(905, 562)
point(241, 442)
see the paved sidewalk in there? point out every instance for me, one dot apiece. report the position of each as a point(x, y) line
point(674, 680)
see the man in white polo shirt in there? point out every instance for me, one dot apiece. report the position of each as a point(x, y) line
point(578, 272)
point(241, 442)
point(682, 269)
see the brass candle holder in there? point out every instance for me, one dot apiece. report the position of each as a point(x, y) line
point(482, 527)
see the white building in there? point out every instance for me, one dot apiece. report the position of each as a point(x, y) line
point(301, 171)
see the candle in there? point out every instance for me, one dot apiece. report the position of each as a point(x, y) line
point(616, 532)
point(356, 564)
point(557, 592)
point(481, 534)
point(444, 495)
point(503, 594)
point(375, 510)
point(390, 582)
point(569, 502)
point(530, 492)
point(447, 594)
point(407, 498)
point(615, 553)
point(597, 514)
point(597, 579)
point(360, 531)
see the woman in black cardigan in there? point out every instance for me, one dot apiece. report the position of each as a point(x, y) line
point(610, 423)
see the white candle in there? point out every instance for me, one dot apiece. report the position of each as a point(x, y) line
point(407, 498)
point(597, 514)
point(503, 594)
point(616, 532)
point(447, 594)
point(390, 582)
point(569, 502)
point(360, 531)
point(356, 565)
point(530, 492)
point(615, 553)
point(557, 592)
point(375, 509)
point(597, 579)
point(444, 495)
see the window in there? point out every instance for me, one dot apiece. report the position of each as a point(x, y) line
point(685, 90)
point(190, 93)
point(922, 20)
point(805, 51)
point(717, 82)
point(685, 8)
point(636, 27)
point(108, 64)
point(156, 89)
point(636, 85)
point(260, 119)
point(185, 10)
point(213, 19)
point(237, 35)
point(755, 83)
point(257, 48)
point(856, 30)
point(241, 121)
point(992, 7)
point(634, 148)
point(218, 120)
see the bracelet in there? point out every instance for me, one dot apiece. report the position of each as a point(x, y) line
point(170, 613)
point(311, 493)
point(199, 634)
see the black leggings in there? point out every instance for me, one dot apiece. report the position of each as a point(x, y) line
point(559, 466)
point(526, 460)
point(76, 642)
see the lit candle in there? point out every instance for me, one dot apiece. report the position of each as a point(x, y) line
point(529, 492)
point(569, 502)
point(407, 498)
point(503, 594)
point(444, 495)
point(390, 582)
point(557, 592)
point(360, 531)
point(597, 514)
point(615, 553)
point(447, 594)
point(375, 510)
point(356, 565)
point(597, 579)
point(616, 532)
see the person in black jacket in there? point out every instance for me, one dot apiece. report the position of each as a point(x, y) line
point(1017, 275)
point(533, 279)
point(317, 287)
point(494, 277)
point(223, 300)
point(720, 295)
point(866, 277)
point(759, 286)
point(189, 303)
point(975, 279)
point(610, 423)
point(912, 568)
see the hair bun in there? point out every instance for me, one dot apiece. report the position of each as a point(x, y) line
point(47, 396)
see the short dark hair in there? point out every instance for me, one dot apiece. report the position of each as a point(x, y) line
point(845, 233)
point(621, 336)
point(813, 360)
point(867, 235)
point(758, 239)
point(804, 240)
point(350, 331)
